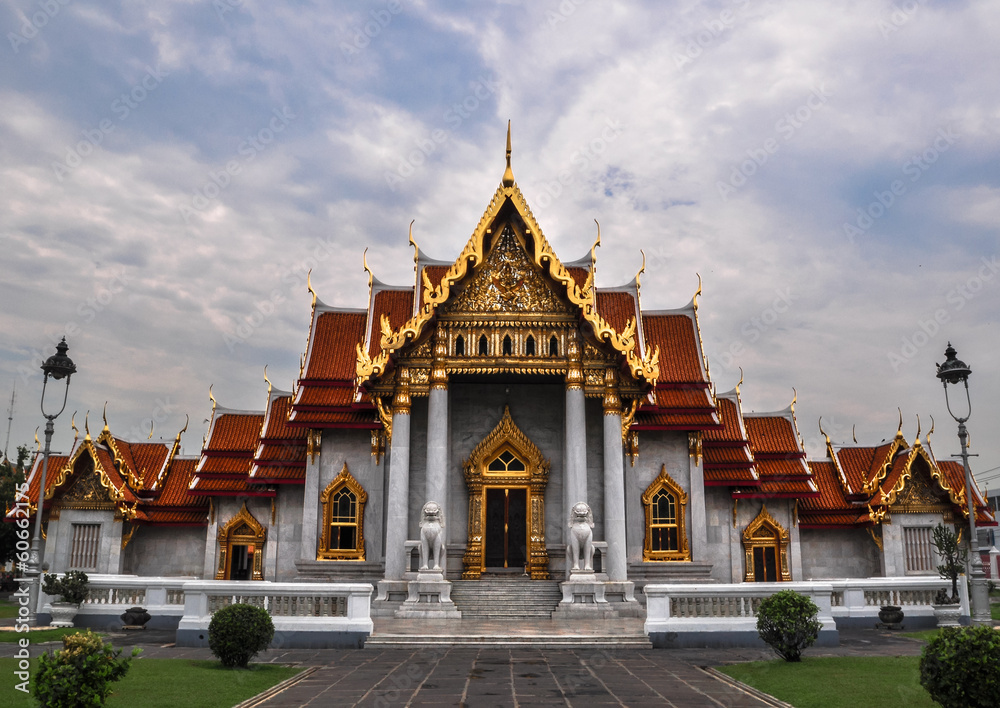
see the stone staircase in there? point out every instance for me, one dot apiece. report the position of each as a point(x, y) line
point(506, 598)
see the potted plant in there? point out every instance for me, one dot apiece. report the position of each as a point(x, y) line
point(953, 558)
point(71, 589)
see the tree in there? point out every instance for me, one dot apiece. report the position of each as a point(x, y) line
point(953, 560)
point(12, 476)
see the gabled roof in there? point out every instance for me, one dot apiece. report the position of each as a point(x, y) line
point(728, 460)
point(280, 457)
point(780, 459)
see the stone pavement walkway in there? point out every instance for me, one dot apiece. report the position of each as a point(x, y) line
point(523, 677)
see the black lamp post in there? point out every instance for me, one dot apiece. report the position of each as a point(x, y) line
point(57, 366)
point(955, 371)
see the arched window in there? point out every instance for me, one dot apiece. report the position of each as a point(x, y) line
point(529, 346)
point(666, 536)
point(343, 519)
point(553, 346)
point(508, 347)
point(459, 346)
point(484, 346)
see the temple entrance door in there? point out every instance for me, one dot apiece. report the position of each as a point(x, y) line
point(240, 562)
point(765, 564)
point(506, 537)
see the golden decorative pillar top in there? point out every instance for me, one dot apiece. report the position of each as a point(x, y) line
point(439, 374)
point(612, 401)
point(574, 374)
point(401, 402)
point(508, 175)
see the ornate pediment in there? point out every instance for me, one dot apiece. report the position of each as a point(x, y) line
point(85, 490)
point(507, 282)
point(920, 495)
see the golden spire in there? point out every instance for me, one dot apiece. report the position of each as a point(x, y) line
point(854, 434)
point(268, 383)
point(593, 249)
point(740, 383)
point(86, 425)
point(76, 431)
point(151, 422)
point(508, 174)
point(641, 269)
point(899, 430)
point(697, 293)
point(371, 277)
point(212, 398)
point(309, 287)
point(918, 428)
point(106, 429)
point(38, 445)
point(823, 432)
point(416, 248)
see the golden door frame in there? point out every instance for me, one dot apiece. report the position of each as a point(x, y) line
point(241, 530)
point(763, 531)
point(506, 437)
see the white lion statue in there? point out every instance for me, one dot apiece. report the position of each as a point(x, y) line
point(581, 537)
point(432, 551)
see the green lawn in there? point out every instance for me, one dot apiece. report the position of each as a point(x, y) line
point(167, 683)
point(38, 635)
point(8, 609)
point(838, 682)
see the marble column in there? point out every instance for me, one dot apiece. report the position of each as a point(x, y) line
point(575, 480)
point(437, 432)
point(310, 499)
point(696, 497)
point(398, 494)
point(616, 562)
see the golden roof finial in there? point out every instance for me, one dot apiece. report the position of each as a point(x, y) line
point(106, 429)
point(918, 428)
point(151, 423)
point(823, 432)
point(593, 249)
point(38, 445)
point(268, 383)
point(309, 286)
point(697, 292)
point(795, 398)
point(76, 431)
point(899, 430)
point(854, 434)
point(931, 430)
point(86, 425)
point(416, 248)
point(740, 381)
point(212, 398)
point(508, 174)
point(642, 269)
point(371, 277)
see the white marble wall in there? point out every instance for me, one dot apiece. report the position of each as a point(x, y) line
point(354, 448)
point(719, 534)
point(656, 448)
point(59, 541)
point(166, 551)
point(829, 554)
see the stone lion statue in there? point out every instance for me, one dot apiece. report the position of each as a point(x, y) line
point(580, 550)
point(432, 551)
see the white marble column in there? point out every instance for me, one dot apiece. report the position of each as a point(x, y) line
point(696, 497)
point(575, 480)
point(398, 494)
point(436, 488)
point(616, 563)
point(310, 499)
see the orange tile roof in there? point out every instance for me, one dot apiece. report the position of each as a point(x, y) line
point(149, 459)
point(823, 521)
point(361, 418)
point(332, 354)
point(173, 517)
point(227, 487)
point(56, 463)
point(778, 487)
point(675, 421)
point(727, 456)
point(579, 275)
point(731, 476)
point(107, 463)
point(233, 432)
point(730, 432)
point(617, 307)
point(309, 394)
point(680, 354)
point(398, 305)
point(857, 463)
point(696, 396)
point(771, 435)
point(225, 466)
point(174, 492)
point(283, 474)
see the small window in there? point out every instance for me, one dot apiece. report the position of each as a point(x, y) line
point(343, 518)
point(86, 544)
point(529, 346)
point(460, 346)
point(508, 347)
point(918, 549)
point(553, 346)
point(663, 523)
point(506, 462)
point(484, 347)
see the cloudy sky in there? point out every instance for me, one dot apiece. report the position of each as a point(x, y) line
point(170, 170)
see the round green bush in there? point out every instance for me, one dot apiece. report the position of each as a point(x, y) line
point(960, 667)
point(237, 633)
point(787, 623)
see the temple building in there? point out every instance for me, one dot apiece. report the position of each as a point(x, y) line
point(507, 388)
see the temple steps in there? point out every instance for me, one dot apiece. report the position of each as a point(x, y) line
point(506, 598)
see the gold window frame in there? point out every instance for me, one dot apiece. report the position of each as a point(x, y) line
point(765, 531)
point(664, 482)
point(344, 480)
point(241, 530)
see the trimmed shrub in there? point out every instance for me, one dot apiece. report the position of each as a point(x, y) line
point(81, 674)
point(72, 587)
point(787, 622)
point(960, 667)
point(237, 633)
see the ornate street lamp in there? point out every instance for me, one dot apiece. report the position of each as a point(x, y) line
point(955, 371)
point(58, 366)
